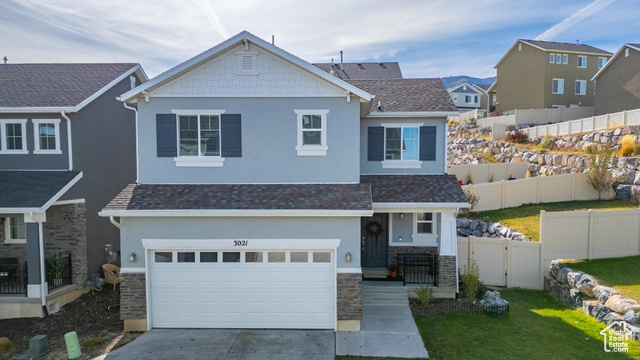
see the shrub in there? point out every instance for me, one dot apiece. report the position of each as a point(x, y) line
point(547, 143)
point(6, 346)
point(471, 280)
point(473, 201)
point(518, 137)
point(490, 158)
point(469, 180)
point(451, 122)
point(93, 342)
point(599, 175)
point(628, 145)
point(425, 295)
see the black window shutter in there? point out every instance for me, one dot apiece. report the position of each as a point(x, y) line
point(375, 143)
point(427, 143)
point(166, 135)
point(231, 132)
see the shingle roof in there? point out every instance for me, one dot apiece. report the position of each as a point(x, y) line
point(482, 86)
point(366, 70)
point(415, 188)
point(552, 45)
point(634, 45)
point(45, 85)
point(407, 95)
point(31, 189)
point(243, 197)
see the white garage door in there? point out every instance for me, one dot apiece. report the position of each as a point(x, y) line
point(243, 289)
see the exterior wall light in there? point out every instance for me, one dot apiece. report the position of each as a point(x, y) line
point(401, 215)
point(348, 257)
point(400, 238)
point(133, 257)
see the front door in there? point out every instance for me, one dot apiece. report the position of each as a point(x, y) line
point(374, 239)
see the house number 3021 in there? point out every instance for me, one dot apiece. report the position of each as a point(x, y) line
point(240, 243)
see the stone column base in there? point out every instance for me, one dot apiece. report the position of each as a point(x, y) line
point(349, 301)
point(133, 297)
point(447, 271)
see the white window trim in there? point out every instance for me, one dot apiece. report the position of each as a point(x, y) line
point(605, 62)
point(553, 92)
point(585, 87)
point(585, 61)
point(36, 136)
point(425, 239)
point(254, 60)
point(198, 160)
point(3, 136)
point(7, 233)
point(312, 150)
point(401, 164)
point(565, 59)
point(552, 58)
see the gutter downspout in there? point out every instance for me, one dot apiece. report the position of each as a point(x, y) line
point(43, 282)
point(127, 106)
point(69, 145)
point(114, 222)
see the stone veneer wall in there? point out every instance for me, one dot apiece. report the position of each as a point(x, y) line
point(349, 297)
point(133, 296)
point(11, 250)
point(65, 231)
point(447, 271)
point(393, 252)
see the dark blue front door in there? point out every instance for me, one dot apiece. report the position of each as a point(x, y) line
point(373, 241)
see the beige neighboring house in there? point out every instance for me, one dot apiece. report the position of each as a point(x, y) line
point(542, 74)
point(618, 82)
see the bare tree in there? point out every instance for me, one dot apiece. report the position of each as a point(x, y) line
point(599, 174)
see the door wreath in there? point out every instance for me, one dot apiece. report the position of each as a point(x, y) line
point(374, 229)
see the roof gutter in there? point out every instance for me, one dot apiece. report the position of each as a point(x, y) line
point(412, 114)
point(234, 213)
point(69, 145)
point(54, 109)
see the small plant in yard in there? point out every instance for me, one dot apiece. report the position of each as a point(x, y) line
point(518, 137)
point(425, 295)
point(628, 145)
point(473, 201)
point(600, 177)
point(469, 180)
point(547, 143)
point(490, 158)
point(471, 280)
point(93, 342)
point(6, 346)
point(451, 122)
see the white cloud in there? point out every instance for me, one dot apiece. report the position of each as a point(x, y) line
point(578, 16)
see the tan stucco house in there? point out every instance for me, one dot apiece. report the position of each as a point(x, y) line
point(618, 82)
point(537, 74)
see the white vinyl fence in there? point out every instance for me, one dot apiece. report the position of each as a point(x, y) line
point(485, 173)
point(539, 116)
point(540, 189)
point(588, 124)
point(466, 116)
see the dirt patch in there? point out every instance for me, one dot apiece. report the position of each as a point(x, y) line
point(98, 328)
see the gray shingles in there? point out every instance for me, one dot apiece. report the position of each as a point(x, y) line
point(29, 189)
point(244, 197)
point(366, 70)
point(415, 188)
point(552, 45)
point(407, 94)
point(43, 85)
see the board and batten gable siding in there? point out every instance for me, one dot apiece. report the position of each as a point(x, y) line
point(134, 229)
point(269, 140)
point(33, 161)
point(618, 86)
point(373, 165)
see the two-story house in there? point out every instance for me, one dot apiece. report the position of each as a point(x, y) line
point(536, 74)
point(67, 147)
point(617, 84)
point(469, 97)
point(267, 185)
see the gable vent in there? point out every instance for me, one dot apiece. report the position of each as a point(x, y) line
point(247, 62)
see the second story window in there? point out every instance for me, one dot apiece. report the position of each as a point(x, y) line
point(199, 135)
point(402, 143)
point(557, 86)
point(565, 58)
point(558, 58)
point(581, 87)
point(312, 132)
point(13, 138)
point(602, 61)
point(552, 58)
point(582, 61)
point(46, 136)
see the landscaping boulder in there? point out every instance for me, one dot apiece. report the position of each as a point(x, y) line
point(602, 293)
point(612, 317)
point(464, 231)
point(622, 304)
point(492, 299)
point(554, 268)
point(632, 317)
point(599, 312)
point(562, 275)
point(573, 278)
point(585, 284)
point(623, 192)
point(574, 299)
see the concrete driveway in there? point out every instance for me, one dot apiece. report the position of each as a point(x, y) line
point(214, 344)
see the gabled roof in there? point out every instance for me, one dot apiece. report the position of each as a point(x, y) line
point(472, 87)
point(33, 191)
point(635, 47)
point(549, 46)
point(365, 70)
point(207, 55)
point(407, 95)
point(482, 87)
point(58, 87)
point(440, 189)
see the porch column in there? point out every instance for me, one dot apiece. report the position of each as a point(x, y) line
point(448, 251)
point(34, 271)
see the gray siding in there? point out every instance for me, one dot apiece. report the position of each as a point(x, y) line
point(428, 167)
point(346, 229)
point(33, 161)
point(269, 139)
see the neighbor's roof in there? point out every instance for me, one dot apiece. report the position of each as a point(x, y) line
point(298, 197)
point(58, 85)
point(635, 47)
point(572, 47)
point(23, 191)
point(415, 189)
point(365, 70)
point(482, 86)
point(407, 95)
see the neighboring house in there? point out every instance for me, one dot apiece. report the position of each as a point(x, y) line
point(617, 84)
point(67, 146)
point(469, 97)
point(365, 70)
point(537, 74)
point(267, 186)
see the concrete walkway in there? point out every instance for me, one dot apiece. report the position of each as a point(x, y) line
point(387, 327)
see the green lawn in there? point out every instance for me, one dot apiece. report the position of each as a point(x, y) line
point(538, 327)
point(620, 273)
point(526, 218)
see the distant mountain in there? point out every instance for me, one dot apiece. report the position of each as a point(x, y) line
point(450, 81)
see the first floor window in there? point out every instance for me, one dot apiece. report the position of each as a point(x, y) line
point(424, 222)
point(402, 143)
point(582, 61)
point(558, 86)
point(16, 230)
point(581, 87)
point(199, 135)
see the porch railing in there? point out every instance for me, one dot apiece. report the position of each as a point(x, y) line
point(418, 268)
point(13, 279)
point(58, 271)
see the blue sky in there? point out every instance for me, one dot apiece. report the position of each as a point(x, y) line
point(430, 38)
